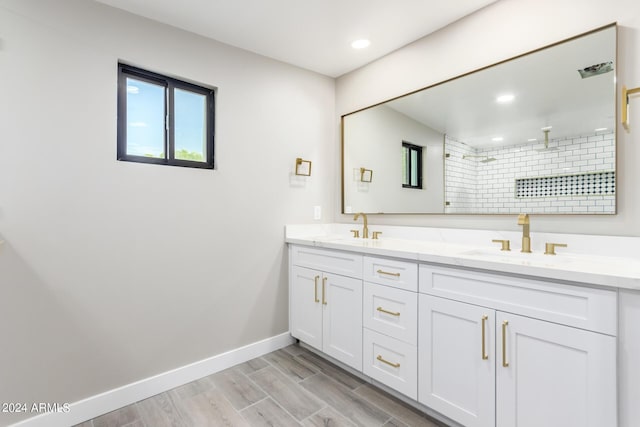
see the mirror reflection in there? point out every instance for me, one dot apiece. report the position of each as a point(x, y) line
point(534, 134)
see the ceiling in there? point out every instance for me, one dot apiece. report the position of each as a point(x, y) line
point(312, 34)
point(548, 91)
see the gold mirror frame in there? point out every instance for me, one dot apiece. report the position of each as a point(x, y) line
point(347, 175)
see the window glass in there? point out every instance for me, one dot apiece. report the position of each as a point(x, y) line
point(411, 165)
point(163, 120)
point(414, 168)
point(145, 119)
point(190, 125)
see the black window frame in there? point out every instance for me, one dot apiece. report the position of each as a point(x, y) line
point(408, 165)
point(170, 85)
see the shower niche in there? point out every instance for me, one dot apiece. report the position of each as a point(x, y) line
point(533, 134)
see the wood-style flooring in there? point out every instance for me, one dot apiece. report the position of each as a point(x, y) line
point(289, 387)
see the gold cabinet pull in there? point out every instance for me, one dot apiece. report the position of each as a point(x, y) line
point(504, 344)
point(315, 289)
point(392, 313)
point(485, 356)
point(388, 274)
point(395, 365)
point(324, 285)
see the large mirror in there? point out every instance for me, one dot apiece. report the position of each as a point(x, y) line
point(534, 134)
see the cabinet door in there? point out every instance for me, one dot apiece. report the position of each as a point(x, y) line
point(556, 376)
point(305, 306)
point(342, 319)
point(456, 368)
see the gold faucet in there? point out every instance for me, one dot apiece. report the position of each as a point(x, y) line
point(523, 220)
point(365, 229)
point(550, 248)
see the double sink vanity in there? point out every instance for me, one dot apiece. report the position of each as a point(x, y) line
point(472, 334)
point(483, 328)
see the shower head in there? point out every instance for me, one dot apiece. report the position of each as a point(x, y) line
point(478, 158)
point(594, 70)
point(546, 147)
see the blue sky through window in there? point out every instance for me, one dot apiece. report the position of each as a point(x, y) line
point(190, 122)
point(146, 120)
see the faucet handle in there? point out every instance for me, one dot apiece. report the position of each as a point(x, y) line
point(356, 233)
point(550, 248)
point(376, 234)
point(505, 244)
point(523, 219)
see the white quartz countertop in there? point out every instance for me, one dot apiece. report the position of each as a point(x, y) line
point(607, 261)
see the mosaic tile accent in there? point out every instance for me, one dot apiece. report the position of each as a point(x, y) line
point(589, 184)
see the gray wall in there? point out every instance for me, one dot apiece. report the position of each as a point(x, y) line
point(385, 129)
point(113, 271)
point(500, 31)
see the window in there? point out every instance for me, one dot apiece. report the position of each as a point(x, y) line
point(411, 165)
point(163, 120)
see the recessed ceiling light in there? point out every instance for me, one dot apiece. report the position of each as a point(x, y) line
point(600, 129)
point(532, 139)
point(360, 44)
point(497, 139)
point(506, 98)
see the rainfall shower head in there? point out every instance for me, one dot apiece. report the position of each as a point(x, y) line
point(546, 141)
point(478, 158)
point(594, 70)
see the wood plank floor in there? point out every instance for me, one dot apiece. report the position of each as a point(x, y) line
point(289, 387)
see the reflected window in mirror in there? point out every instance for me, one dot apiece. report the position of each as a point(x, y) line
point(411, 165)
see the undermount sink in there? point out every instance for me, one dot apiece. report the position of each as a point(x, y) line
point(520, 257)
point(573, 262)
point(332, 238)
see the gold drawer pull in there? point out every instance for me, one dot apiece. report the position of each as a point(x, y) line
point(395, 365)
point(324, 285)
point(504, 344)
point(388, 274)
point(485, 356)
point(315, 289)
point(393, 313)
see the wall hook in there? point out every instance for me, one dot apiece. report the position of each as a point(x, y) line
point(625, 105)
point(303, 167)
point(366, 175)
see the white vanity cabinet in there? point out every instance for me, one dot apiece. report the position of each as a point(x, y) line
point(483, 365)
point(390, 319)
point(326, 302)
point(483, 349)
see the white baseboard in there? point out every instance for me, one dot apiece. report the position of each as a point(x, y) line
point(97, 405)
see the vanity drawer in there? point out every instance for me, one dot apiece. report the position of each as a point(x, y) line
point(582, 307)
point(338, 262)
point(391, 311)
point(399, 274)
point(392, 362)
